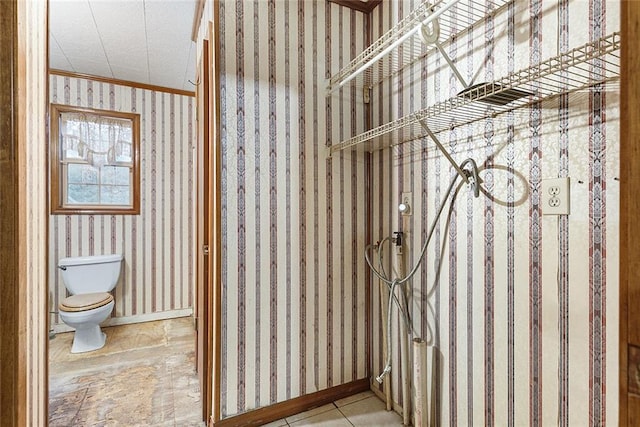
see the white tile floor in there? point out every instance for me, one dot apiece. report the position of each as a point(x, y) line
point(362, 409)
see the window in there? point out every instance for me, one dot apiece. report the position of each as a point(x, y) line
point(94, 161)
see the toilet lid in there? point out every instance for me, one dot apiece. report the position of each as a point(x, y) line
point(83, 302)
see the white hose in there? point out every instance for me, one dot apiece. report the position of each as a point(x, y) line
point(387, 366)
point(476, 189)
point(384, 303)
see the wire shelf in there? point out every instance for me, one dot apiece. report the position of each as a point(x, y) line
point(454, 18)
point(594, 63)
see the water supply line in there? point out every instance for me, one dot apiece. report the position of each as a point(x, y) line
point(470, 176)
point(384, 303)
point(405, 332)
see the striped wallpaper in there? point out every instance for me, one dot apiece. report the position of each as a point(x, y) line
point(523, 316)
point(31, 150)
point(158, 267)
point(294, 290)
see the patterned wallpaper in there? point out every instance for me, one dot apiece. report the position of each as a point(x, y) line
point(157, 274)
point(522, 319)
point(31, 92)
point(293, 319)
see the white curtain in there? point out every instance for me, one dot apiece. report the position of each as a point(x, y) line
point(96, 140)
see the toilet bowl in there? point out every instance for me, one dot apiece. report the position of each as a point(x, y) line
point(89, 280)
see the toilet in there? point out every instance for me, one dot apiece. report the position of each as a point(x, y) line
point(89, 280)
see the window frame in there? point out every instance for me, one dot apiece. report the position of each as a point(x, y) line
point(57, 165)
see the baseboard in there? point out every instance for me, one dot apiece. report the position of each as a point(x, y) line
point(293, 406)
point(127, 320)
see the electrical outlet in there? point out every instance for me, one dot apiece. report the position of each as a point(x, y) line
point(406, 200)
point(555, 196)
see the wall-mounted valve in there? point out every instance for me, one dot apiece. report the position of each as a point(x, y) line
point(397, 238)
point(405, 204)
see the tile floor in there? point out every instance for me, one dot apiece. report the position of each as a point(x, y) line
point(363, 409)
point(145, 376)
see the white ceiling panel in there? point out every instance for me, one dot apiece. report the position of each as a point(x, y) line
point(57, 59)
point(144, 41)
point(168, 55)
point(70, 20)
point(133, 74)
point(119, 21)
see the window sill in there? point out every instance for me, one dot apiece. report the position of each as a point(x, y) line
point(95, 211)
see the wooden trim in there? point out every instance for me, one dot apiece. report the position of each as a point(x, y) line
point(629, 405)
point(197, 19)
point(120, 82)
point(204, 234)
point(215, 312)
point(45, 214)
point(57, 204)
point(360, 6)
point(295, 406)
point(9, 259)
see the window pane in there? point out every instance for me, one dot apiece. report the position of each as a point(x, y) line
point(81, 174)
point(80, 194)
point(115, 195)
point(114, 175)
point(108, 175)
point(122, 176)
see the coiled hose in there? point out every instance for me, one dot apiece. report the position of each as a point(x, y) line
point(392, 283)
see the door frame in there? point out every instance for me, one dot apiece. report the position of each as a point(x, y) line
point(23, 332)
point(629, 400)
point(215, 312)
point(203, 235)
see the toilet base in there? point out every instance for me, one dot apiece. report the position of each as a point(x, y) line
point(88, 339)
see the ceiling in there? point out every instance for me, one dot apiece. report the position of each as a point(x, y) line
point(142, 41)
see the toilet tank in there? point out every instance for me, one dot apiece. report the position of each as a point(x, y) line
point(87, 274)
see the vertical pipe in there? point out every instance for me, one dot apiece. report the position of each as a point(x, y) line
point(404, 360)
point(419, 383)
point(384, 304)
point(404, 345)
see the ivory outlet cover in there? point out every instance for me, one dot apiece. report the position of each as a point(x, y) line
point(555, 196)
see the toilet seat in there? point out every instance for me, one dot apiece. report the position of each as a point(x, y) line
point(84, 302)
